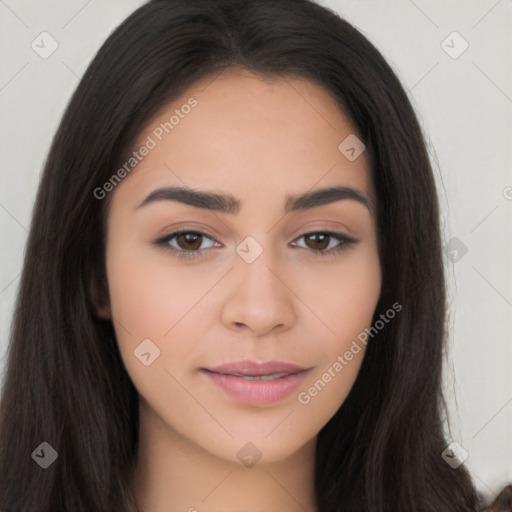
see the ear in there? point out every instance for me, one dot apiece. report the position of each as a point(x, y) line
point(100, 300)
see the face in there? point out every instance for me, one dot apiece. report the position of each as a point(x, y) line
point(255, 277)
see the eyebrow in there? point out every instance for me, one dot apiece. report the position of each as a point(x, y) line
point(226, 203)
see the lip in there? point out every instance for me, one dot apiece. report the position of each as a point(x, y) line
point(253, 368)
point(256, 392)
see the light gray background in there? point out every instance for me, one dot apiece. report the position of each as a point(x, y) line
point(464, 105)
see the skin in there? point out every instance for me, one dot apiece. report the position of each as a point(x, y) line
point(258, 141)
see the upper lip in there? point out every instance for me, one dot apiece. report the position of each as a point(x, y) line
point(254, 368)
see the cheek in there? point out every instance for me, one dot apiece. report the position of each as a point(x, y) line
point(153, 298)
point(149, 301)
point(328, 388)
point(343, 298)
point(149, 295)
point(345, 303)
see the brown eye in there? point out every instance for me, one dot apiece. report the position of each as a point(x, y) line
point(185, 244)
point(319, 241)
point(189, 240)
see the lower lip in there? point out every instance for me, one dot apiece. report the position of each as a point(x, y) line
point(257, 392)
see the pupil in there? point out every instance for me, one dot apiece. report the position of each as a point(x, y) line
point(189, 239)
point(315, 237)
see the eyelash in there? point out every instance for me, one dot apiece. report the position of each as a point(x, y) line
point(164, 242)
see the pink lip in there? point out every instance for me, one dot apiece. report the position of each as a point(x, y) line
point(256, 392)
point(248, 367)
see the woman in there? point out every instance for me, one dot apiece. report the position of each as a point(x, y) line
point(267, 370)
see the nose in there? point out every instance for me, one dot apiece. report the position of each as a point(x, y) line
point(259, 298)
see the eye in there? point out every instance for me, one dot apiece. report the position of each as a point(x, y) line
point(319, 245)
point(188, 243)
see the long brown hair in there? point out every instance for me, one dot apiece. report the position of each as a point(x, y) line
point(65, 382)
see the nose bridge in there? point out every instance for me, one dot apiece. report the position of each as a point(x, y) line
point(258, 267)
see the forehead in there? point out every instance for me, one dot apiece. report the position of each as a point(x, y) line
point(247, 132)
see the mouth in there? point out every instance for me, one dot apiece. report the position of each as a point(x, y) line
point(257, 383)
point(249, 368)
point(273, 376)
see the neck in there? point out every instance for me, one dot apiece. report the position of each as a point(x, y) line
point(174, 474)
